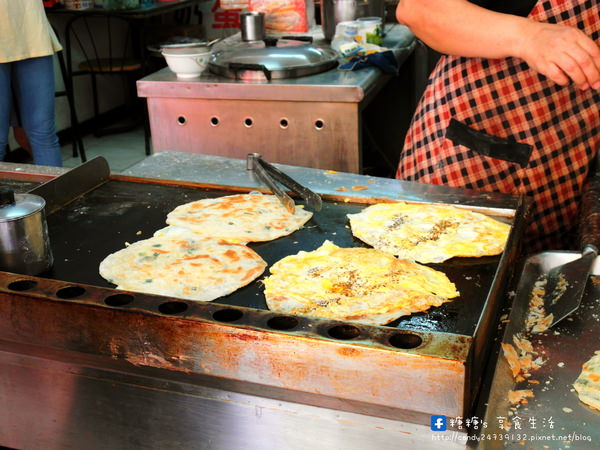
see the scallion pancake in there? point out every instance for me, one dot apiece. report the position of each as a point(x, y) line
point(180, 264)
point(239, 218)
point(587, 384)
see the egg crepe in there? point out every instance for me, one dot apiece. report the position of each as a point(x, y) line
point(428, 233)
point(587, 384)
point(239, 218)
point(357, 284)
point(180, 264)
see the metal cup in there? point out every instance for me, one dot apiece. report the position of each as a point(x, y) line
point(24, 242)
point(252, 24)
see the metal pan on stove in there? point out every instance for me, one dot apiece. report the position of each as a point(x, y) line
point(272, 59)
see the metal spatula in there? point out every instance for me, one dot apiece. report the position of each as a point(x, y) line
point(566, 283)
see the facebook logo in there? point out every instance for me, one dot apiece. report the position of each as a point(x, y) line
point(438, 423)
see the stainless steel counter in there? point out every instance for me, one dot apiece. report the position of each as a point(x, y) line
point(218, 170)
point(314, 121)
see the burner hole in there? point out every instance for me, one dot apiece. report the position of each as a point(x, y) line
point(22, 285)
point(70, 292)
point(214, 121)
point(118, 300)
point(181, 120)
point(406, 340)
point(172, 307)
point(227, 315)
point(248, 122)
point(283, 123)
point(344, 332)
point(319, 124)
point(283, 323)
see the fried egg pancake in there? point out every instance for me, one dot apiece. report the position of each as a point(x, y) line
point(428, 233)
point(356, 284)
point(239, 218)
point(587, 384)
point(180, 264)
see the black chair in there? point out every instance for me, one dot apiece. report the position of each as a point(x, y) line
point(77, 142)
point(106, 44)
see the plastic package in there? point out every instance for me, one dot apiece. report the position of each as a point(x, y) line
point(79, 4)
point(344, 41)
point(358, 37)
point(233, 4)
point(286, 16)
point(369, 30)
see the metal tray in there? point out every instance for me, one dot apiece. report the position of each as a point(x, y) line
point(555, 417)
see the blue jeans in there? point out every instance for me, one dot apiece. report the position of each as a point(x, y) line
point(33, 83)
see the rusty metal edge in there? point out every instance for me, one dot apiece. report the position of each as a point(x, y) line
point(363, 369)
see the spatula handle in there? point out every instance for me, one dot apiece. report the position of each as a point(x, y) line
point(590, 211)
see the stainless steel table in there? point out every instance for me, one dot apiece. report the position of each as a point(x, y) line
point(314, 121)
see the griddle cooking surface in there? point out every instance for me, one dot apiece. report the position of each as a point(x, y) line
point(85, 231)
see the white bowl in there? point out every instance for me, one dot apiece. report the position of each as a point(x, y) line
point(187, 66)
point(192, 48)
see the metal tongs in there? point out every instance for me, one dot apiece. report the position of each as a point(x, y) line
point(270, 175)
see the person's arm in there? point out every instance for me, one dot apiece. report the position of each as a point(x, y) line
point(457, 27)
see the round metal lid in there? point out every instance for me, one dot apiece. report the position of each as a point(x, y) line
point(16, 206)
point(285, 59)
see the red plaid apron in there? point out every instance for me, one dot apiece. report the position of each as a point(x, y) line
point(496, 125)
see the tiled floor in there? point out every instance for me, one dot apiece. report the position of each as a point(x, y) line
point(120, 150)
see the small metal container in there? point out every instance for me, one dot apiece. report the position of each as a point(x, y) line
point(24, 242)
point(252, 25)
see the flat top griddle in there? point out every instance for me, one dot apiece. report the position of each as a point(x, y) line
point(235, 342)
point(85, 231)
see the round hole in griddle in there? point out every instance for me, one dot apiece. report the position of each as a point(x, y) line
point(406, 340)
point(118, 300)
point(344, 332)
point(181, 120)
point(227, 315)
point(319, 124)
point(172, 307)
point(70, 292)
point(283, 123)
point(22, 285)
point(283, 323)
point(248, 122)
point(214, 121)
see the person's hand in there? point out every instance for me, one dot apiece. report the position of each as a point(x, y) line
point(563, 54)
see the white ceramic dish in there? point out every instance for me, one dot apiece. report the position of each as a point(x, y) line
point(187, 65)
point(184, 49)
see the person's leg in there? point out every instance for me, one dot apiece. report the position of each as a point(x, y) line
point(5, 105)
point(33, 81)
